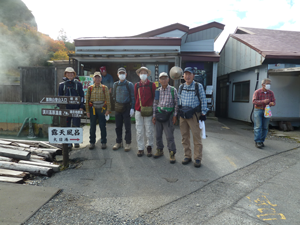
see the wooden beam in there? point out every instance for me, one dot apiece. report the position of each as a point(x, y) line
point(44, 164)
point(27, 168)
point(16, 154)
point(11, 179)
point(2, 158)
point(13, 173)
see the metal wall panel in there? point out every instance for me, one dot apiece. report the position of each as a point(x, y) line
point(211, 33)
point(198, 46)
point(237, 56)
point(174, 33)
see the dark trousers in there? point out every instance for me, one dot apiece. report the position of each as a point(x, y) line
point(76, 121)
point(168, 128)
point(121, 118)
point(102, 124)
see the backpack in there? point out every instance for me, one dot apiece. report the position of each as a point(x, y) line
point(115, 89)
point(196, 90)
point(188, 112)
point(150, 84)
point(76, 87)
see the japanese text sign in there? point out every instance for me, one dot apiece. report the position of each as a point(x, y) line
point(60, 100)
point(65, 135)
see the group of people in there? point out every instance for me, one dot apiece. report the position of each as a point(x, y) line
point(153, 107)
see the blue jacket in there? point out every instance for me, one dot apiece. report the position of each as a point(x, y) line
point(72, 88)
point(107, 81)
point(122, 95)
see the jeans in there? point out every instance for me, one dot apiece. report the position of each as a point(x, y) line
point(261, 125)
point(102, 124)
point(121, 118)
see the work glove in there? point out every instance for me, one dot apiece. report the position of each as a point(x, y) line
point(131, 112)
point(203, 117)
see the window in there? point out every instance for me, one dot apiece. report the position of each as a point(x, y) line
point(240, 91)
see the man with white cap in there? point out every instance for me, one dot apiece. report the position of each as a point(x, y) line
point(165, 109)
point(97, 107)
point(192, 109)
point(72, 87)
point(123, 93)
point(144, 92)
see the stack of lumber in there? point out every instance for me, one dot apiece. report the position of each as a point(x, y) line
point(20, 158)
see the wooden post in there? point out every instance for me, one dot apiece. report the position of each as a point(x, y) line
point(63, 123)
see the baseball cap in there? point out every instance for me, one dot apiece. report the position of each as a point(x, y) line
point(103, 69)
point(121, 69)
point(189, 69)
point(163, 74)
point(97, 74)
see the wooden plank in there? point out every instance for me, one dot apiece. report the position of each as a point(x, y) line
point(47, 145)
point(5, 142)
point(44, 164)
point(20, 145)
point(11, 179)
point(34, 157)
point(16, 154)
point(12, 147)
point(13, 173)
point(27, 168)
point(2, 158)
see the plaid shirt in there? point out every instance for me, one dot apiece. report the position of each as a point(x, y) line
point(190, 99)
point(166, 99)
point(260, 95)
point(97, 95)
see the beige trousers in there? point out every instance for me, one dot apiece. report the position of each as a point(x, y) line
point(185, 126)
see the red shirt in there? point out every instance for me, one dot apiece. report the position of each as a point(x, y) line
point(146, 96)
point(260, 95)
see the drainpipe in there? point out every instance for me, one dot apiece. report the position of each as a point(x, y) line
point(257, 80)
point(22, 126)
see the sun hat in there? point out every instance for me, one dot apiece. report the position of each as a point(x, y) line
point(69, 70)
point(176, 73)
point(163, 74)
point(143, 68)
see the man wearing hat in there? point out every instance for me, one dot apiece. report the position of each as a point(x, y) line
point(192, 109)
point(123, 93)
point(97, 107)
point(107, 79)
point(165, 109)
point(144, 92)
point(72, 87)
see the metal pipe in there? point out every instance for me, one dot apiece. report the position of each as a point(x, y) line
point(22, 126)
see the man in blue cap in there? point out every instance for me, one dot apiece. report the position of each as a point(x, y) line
point(192, 109)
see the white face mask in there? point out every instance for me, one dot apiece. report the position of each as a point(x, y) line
point(268, 86)
point(122, 76)
point(143, 77)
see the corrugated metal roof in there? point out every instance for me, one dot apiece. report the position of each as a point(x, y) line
point(270, 43)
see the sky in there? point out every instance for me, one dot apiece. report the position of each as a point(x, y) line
point(114, 18)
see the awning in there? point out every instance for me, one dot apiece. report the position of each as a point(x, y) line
point(293, 71)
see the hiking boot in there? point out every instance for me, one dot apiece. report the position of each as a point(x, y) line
point(159, 153)
point(197, 163)
point(258, 144)
point(127, 148)
point(103, 146)
point(92, 146)
point(172, 157)
point(186, 161)
point(117, 146)
point(77, 145)
point(149, 151)
point(70, 145)
point(140, 153)
point(262, 144)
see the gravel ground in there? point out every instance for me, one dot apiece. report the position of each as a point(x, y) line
point(71, 209)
